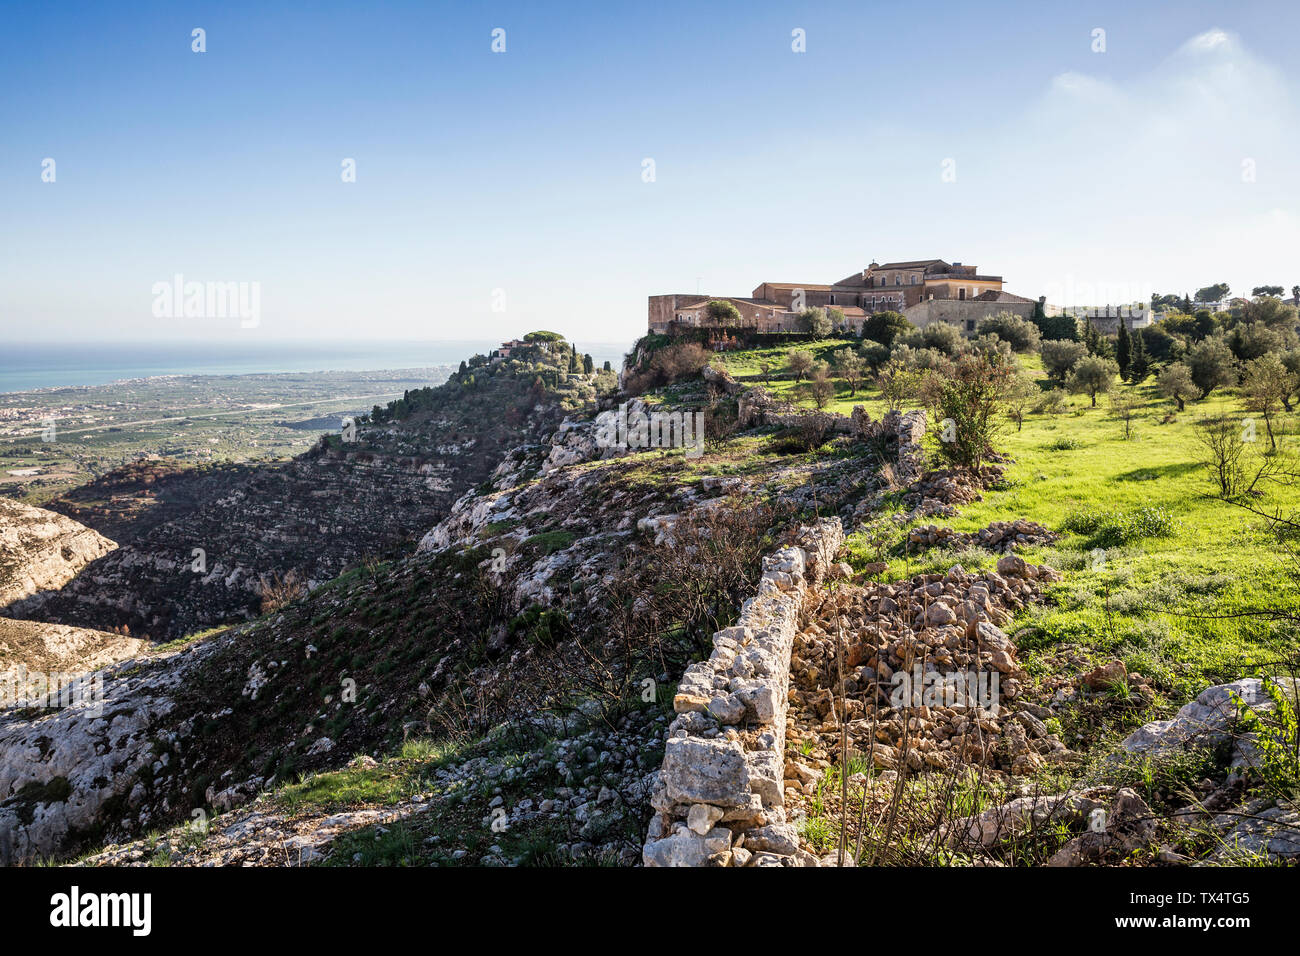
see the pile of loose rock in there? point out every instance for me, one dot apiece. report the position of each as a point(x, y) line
point(936, 493)
point(931, 679)
point(952, 486)
point(999, 536)
point(719, 798)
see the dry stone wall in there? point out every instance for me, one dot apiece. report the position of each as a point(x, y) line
point(720, 796)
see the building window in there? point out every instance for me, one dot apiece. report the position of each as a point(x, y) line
point(898, 280)
point(961, 293)
point(970, 325)
point(915, 279)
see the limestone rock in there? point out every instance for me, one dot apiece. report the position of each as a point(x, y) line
point(42, 550)
point(698, 770)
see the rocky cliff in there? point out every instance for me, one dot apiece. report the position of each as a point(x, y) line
point(41, 550)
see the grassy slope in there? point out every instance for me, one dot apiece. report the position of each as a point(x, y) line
point(1219, 559)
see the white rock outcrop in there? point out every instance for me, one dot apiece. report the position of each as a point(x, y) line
point(41, 550)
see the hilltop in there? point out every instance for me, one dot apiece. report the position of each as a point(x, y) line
point(504, 683)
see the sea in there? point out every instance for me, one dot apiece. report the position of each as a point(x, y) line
point(27, 366)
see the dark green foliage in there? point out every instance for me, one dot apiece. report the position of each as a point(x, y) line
point(884, 327)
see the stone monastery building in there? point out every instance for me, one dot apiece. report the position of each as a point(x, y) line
point(924, 290)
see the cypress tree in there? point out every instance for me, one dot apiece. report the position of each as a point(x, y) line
point(1140, 364)
point(1123, 355)
point(1091, 337)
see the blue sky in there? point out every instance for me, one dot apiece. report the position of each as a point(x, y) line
point(1086, 176)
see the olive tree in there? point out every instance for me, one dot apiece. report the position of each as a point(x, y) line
point(1175, 381)
point(1022, 334)
point(799, 362)
point(1267, 386)
point(1092, 376)
point(1212, 364)
point(850, 366)
point(1060, 356)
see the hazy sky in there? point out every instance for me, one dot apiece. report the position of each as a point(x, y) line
point(515, 180)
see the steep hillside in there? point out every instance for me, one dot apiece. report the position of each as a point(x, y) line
point(212, 546)
point(544, 672)
point(128, 502)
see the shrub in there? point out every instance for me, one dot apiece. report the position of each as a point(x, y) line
point(667, 365)
point(1060, 356)
point(1276, 735)
point(277, 590)
point(823, 388)
point(967, 404)
point(1111, 529)
point(1064, 444)
point(816, 322)
point(941, 336)
point(885, 327)
point(1022, 334)
point(1052, 402)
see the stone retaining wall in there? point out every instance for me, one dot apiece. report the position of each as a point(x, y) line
point(720, 794)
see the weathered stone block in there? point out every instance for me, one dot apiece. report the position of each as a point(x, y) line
point(685, 848)
point(699, 770)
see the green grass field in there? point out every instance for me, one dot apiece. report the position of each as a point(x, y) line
point(1178, 608)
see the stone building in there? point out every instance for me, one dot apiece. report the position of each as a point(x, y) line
point(1106, 318)
point(924, 290)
